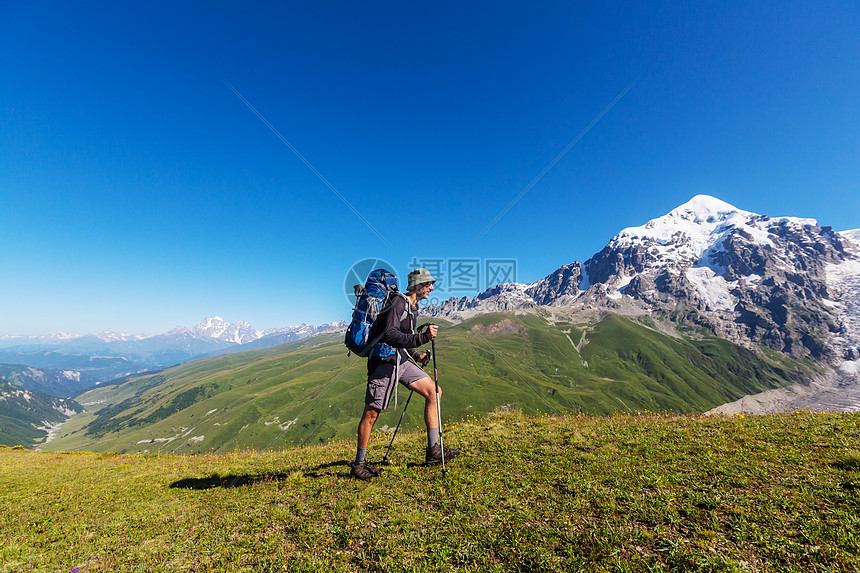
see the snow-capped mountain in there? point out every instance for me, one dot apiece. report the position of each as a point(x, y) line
point(112, 336)
point(784, 282)
point(276, 336)
point(211, 336)
point(217, 328)
point(7, 340)
point(58, 337)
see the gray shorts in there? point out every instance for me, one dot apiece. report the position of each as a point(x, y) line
point(380, 384)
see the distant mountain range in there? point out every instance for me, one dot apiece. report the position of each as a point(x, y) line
point(41, 372)
point(108, 355)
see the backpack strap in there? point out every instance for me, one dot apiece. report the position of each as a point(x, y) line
point(407, 311)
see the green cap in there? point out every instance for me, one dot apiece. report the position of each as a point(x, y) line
point(419, 277)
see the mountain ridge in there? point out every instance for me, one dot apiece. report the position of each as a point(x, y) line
point(784, 282)
point(209, 337)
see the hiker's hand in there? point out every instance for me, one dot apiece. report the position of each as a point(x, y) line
point(432, 331)
point(424, 358)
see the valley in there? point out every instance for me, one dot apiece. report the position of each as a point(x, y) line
point(708, 308)
point(309, 392)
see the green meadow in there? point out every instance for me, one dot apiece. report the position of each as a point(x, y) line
point(623, 492)
point(309, 392)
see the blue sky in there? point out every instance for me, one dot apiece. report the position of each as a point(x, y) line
point(138, 192)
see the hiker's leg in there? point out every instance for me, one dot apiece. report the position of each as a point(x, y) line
point(427, 388)
point(365, 426)
point(380, 386)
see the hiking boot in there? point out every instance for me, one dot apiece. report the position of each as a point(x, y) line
point(363, 470)
point(434, 454)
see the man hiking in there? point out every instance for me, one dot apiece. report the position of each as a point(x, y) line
point(395, 326)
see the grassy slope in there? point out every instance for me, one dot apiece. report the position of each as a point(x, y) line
point(309, 392)
point(618, 493)
point(20, 416)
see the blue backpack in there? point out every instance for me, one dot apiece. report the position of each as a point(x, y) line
point(371, 299)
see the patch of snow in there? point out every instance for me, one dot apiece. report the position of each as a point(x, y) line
point(196, 439)
point(585, 281)
point(850, 368)
point(617, 294)
point(211, 411)
point(713, 289)
point(752, 282)
point(853, 235)
point(843, 282)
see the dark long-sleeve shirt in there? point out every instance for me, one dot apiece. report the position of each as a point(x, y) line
point(396, 327)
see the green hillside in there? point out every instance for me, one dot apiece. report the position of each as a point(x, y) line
point(24, 414)
point(575, 493)
point(309, 392)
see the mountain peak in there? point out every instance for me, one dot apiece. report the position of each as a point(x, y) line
point(705, 208)
point(210, 321)
point(113, 336)
point(216, 327)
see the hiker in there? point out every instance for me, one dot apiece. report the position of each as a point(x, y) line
point(395, 326)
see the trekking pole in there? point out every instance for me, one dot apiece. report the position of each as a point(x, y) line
point(438, 407)
point(385, 458)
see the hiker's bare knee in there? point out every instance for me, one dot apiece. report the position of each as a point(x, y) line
point(370, 415)
point(424, 387)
